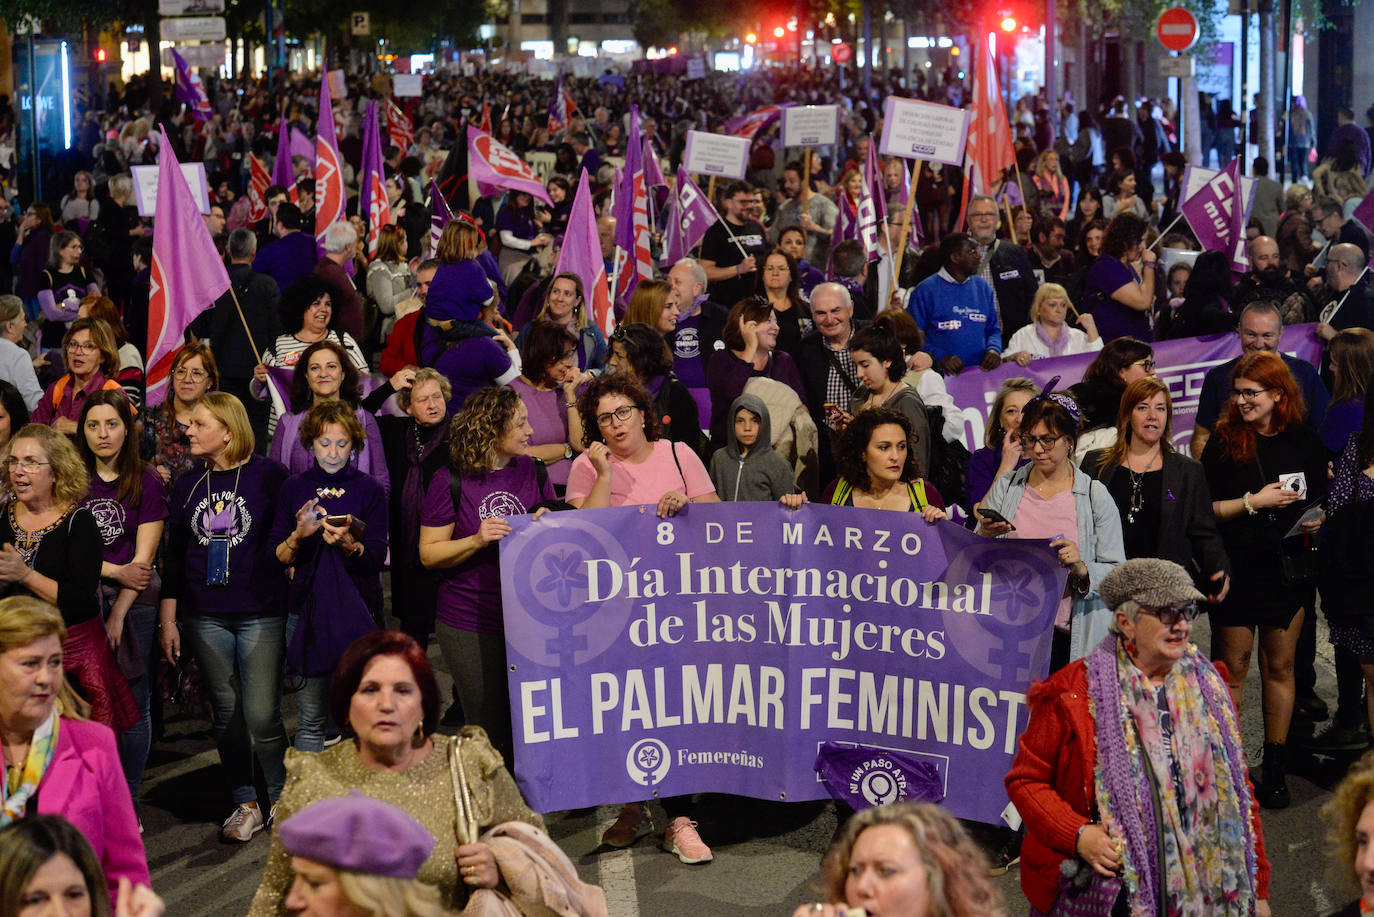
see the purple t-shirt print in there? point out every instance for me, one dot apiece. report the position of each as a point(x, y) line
point(221, 514)
point(119, 522)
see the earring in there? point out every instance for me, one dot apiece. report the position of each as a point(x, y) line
point(1130, 648)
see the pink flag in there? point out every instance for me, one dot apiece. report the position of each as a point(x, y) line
point(689, 216)
point(187, 272)
point(329, 186)
point(495, 167)
point(282, 171)
point(581, 255)
point(301, 145)
point(190, 90)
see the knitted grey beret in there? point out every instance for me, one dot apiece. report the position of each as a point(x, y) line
point(1148, 581)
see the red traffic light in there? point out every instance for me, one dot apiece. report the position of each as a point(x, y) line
point(100, 55)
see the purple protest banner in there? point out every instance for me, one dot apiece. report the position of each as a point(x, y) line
point(690, 215)
point(718, 650)
point(1181, 364)
point(1209, 205)
point(872, 207)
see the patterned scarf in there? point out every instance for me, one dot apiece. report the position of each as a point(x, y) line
point(413, 489)
point(42, 747)
point(1206, 836)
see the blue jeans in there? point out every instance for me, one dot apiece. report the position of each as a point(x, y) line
point(134, 741)
point(240, 665)
point(312, 703)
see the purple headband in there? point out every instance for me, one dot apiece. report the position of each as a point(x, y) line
point(1062, 399)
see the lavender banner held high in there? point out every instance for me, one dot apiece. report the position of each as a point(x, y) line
point(717, 651)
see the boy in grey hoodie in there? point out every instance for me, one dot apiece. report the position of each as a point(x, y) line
point(746, 469)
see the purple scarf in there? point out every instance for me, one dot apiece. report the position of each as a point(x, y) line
point(1056, 348)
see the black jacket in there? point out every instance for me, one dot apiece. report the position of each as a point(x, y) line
point(1014, 283)
point(257, 296)
point(1187, 529)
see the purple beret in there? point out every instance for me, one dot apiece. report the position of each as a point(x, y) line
point(458, 291)
point(360, 834)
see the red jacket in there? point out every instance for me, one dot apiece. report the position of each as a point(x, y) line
point(1051, 783)
point(399, 351)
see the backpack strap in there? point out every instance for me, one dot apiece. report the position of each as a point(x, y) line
point(541, 474)
point(843, 490)
point(916, 490)
point(672, 447)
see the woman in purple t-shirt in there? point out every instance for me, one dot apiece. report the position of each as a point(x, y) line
point(460, 523)
point(1118, 298)
point(129, 503)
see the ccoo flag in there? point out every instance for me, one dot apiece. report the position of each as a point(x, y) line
point(373, 199)
point(187, 273)
point(581, 255)
point(329, 186)
point(495, 167)
point(190, 90)
point(989, 147)
point(439, 216)
point(632, 215)
point(258, 181)
point(690, 214)
point(872, 206)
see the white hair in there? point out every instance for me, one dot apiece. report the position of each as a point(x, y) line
point(339, 236)
point(1130, 608)
point(698, 272)
point(837, 288)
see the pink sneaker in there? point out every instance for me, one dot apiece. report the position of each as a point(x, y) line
point(682, 839)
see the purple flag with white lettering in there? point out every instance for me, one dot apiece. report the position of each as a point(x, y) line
point(865, 776)
point(190, 90)
point(872, 209)
point(283, 173)
point(439, 216)
point(689, 217)
point(187, 273)
point(1208, 209)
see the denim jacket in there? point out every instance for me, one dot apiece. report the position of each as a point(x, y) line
point(1100, 544)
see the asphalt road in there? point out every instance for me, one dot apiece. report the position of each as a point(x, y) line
point(766, 854)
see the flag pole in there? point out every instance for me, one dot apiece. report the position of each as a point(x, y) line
point(1166, 230)
point(243, 319)
point(806, 178)
point(906, 225)
point(1006, 206)
point(1326, 318)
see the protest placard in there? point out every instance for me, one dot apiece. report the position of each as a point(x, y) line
point(716, 155)
point(145, 187)
point(717, 650)
point(810, 125)
point(914, 129)
point(405, 85)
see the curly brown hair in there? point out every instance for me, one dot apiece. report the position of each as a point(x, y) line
point(1343, 811)
point(588, 403)
point(956, 869)
point(476, 431)
point(853, 441)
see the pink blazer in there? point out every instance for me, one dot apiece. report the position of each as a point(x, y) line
point(85, 785)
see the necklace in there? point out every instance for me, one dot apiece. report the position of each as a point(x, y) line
point(26, 542)
point(1137, 495)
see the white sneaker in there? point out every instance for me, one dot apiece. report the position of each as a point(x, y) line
point(245, 822)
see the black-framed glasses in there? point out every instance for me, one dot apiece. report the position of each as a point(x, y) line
point(1044, 442)
point(1147, 364)
point(1248, 395)
point(1169, 615)
point(622, 413)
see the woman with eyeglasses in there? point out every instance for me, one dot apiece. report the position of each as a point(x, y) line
point(50, 547)
point(750, 335)
point(92, 362)
point(1163, 498)
point(627, 462)
point(1265, 466)
point(129, 503)
point(1131, 773)
point(163, 442)
point(490, 476)
point(62, 285)
point(1051, 498)
point(1098, 395)
point(130, 373)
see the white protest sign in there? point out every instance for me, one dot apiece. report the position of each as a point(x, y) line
point(145, 187)
point(406, 84)
point(716, 155)
point(914, 129)
point(696, 68)
point(810, 125)
point(338, 86)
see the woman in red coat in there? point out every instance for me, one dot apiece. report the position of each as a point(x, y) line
point(1132, 765)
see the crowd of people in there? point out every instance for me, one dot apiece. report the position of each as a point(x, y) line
point(321, 491)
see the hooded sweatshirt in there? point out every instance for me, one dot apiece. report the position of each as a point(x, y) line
point(761, 474)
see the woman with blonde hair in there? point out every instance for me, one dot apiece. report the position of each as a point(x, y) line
point(908, 859)
point(653, 303)
point(1349, 814)
point(223, 591)
point(388, 276)
point(1049, 334)
point(489, 456)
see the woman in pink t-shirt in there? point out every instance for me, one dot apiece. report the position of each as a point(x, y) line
point(628, 463)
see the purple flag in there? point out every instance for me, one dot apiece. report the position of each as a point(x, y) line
point(190, 90)
point(872, 210)
point(865, 776)
point(329, 186)
point(632, 215)
point(690, 215)
point(283, 173)
point(187, 272)
point(301, 145)
point(1364, 212)
point(495, 167)
point(439, 216)
point(581, 255)
point(1208, 208)
point(654, 182)
point(372, 196)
